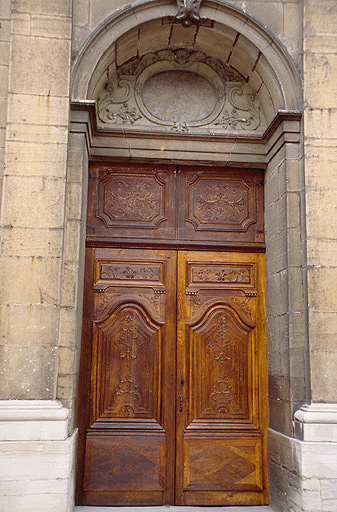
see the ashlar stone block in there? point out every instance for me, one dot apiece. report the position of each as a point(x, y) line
point(30, 280)
point(321, 212)
point(320, 16)
point(61, 7)
point(42, 242)
point(81, 12)
point(45, 133)
point(23, 159)
point(323, 375)
point(33, 202)
point(4, 53)
point(28, 372)
point(33, 324)
point(49, 75)
point(40, 110)
point(319, 81)
point(21, 24)
point(51, 26)
point(322, 289)
point(271, 14)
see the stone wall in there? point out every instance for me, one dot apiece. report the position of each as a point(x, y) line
point(320, 122)
point(32, 215)
point(304, 470)
point(5, 17)
point(286, 300)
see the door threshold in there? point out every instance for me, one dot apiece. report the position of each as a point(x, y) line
point(173, 508)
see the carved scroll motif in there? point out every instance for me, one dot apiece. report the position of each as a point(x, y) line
point(104, 301)
point(222, 274)
point(243, 302)
point(133, 199)
point(126, 397)
point(126, 272)
point(198, 301)
point(221, 343)
point(125, 115)
point(220, 202)
point(154, 300)
point(129, 338)
point(222, 396)
point(122, 99)
point(245, 116)
point(118, 92)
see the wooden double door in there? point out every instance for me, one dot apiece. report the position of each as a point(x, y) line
point(172, 404)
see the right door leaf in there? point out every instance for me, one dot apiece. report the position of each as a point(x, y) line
point(221, 348)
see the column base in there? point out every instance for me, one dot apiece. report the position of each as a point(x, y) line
point(37, 457)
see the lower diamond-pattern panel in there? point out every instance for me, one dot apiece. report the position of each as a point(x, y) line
point(111, 466)
point(223, 467)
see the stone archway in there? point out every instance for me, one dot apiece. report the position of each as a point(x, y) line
point(256, 55)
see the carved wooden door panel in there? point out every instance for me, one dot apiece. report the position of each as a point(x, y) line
point(221, 380)
point(127, 435)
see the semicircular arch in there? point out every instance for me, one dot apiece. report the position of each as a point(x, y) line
point(228, 33)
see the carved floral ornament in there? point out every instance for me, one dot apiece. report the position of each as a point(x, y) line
point(180, 91)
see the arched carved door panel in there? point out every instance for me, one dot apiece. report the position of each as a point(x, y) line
point(177, 410)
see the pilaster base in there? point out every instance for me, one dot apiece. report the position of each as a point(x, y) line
point(36, 457)
point(303, 471)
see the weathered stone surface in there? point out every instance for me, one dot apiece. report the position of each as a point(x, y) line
point(34, 202)
point(51, 60)
point(33, 324)
point(28, 372)
point(58, 27)
point(61, 7)
point(36, 159)
point(42, 242)
point(30, 280)
point(323, 374)
point(42, 110)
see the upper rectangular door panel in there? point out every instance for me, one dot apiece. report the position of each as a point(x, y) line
point(177, 206)
point(224, 205)
point(131, 202)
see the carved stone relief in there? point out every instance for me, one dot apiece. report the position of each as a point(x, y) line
point(188, 12)
point(181, 91)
